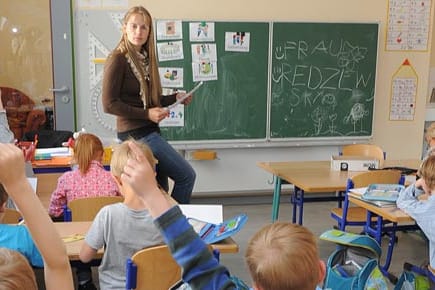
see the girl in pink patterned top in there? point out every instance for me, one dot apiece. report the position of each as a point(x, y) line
point(89, 180)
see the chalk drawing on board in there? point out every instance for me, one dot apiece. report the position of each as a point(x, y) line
point(322, 84)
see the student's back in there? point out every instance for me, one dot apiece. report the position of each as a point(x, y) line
point(122, 231)
point(89, 180)
point(122, 228)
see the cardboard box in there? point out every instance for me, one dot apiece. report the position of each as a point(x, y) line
point(353, 163)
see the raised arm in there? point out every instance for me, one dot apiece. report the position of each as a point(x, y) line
point(57, 269)
point(186, 246)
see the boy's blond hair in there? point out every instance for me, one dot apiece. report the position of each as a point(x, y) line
point(427, 172)
point(430, 133)
point(283, 256)
point(15, 271)
point(87, 147)
point(123, 152)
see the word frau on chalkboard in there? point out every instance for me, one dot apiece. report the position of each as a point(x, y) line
point(323, 77)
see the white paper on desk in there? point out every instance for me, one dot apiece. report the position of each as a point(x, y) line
point(33, 183)
point(211, 213)
point(358, 191)
point(54, 151)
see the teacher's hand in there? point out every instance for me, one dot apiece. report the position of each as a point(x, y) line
point(185, 101)
point(157, 114)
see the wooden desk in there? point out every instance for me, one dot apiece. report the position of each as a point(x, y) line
point(67, 229)
point(312, 177)
point(53, 165)
point(387, 222)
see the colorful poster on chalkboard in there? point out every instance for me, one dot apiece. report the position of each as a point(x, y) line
point(237, 41)
point(201, 51)
point(175, 118)
point(171, 77)
point(169, 30)
point(201, 31)
point(403, 93)
point(170, 50)
point(408, 25)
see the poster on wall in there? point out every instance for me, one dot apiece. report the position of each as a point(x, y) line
point(169, 30)
point(403, 93)
point(408, 25)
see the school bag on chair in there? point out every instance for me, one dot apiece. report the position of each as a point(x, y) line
point(355, 263)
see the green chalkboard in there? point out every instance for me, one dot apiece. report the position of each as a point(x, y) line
point(322, 79)
point(235, 105)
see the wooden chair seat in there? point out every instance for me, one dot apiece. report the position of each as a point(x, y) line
point(354, 214)
point(85, 209)
point(156, 268)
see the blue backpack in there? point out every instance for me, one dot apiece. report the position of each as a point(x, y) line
point(355, 263)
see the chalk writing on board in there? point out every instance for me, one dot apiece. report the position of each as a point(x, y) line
point(321, 87)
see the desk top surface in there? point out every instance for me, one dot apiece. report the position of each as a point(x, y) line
point(70, 229)
point(393, 214)
point(317, 176)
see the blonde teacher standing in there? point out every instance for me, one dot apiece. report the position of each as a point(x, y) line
point(132, 92)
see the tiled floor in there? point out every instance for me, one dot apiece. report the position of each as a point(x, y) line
point(411, 246)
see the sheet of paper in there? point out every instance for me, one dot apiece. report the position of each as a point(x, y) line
point(211, 213)
point(358, 191)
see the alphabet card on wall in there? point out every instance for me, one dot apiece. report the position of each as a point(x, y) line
point(403, 93)
point(408, 25)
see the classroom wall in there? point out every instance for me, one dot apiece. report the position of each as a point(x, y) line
point(235, 169)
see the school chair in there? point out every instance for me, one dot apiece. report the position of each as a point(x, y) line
point(154, 268)
point(368, 150)
point(85, 209)
point(355, 215)
point(11, 216)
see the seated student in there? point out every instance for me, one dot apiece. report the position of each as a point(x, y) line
point(121, 228)
point(17, 237)
point(418, 201)
point(89, 180)
point(15, 272)
point(279, 256)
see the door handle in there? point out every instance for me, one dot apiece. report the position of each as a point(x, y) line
point(63, 89)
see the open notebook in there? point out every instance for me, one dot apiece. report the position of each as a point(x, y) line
point(379, 195)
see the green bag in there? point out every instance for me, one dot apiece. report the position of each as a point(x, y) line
point(413, 278)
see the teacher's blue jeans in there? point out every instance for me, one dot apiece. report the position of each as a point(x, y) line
point(171, 164)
